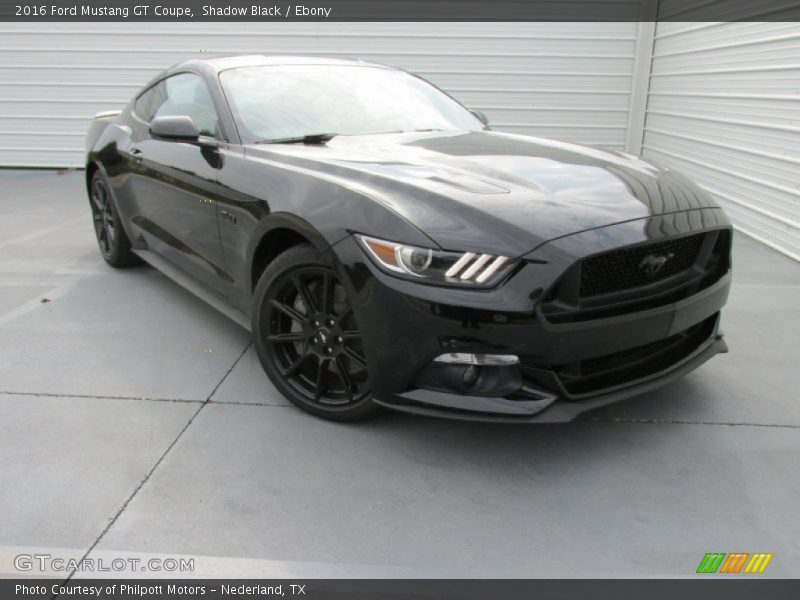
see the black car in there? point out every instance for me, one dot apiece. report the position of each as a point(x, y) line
point(387, 249)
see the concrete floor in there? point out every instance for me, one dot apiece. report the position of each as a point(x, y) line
point(108, 446)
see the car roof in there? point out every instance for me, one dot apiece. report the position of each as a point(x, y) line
point(221, 63)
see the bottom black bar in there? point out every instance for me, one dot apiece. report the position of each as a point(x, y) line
point(730, 588)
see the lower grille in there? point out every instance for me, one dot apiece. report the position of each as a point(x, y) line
point(595, 374)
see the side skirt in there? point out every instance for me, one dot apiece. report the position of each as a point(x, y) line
point(192, 285)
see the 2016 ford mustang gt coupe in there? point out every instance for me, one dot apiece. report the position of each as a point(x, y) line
point(387, 249)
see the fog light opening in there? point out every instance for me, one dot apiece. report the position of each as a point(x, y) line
point(470, 375)
point(465, 358)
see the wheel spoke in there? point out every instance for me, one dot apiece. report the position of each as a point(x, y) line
point(355, 357)
point(296, 365)
point(322, 378)
point(289, 311)
point(280, 338)
point(96, 200)
point(307, 299)
point(99, 195)
point(345, 377)
point(327, 297)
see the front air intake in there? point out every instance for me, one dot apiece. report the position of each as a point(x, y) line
point(633, 267)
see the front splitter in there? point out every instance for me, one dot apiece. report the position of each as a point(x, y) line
point(548, 409)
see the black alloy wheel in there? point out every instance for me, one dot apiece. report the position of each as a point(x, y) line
point(307, 338)
point(114, 244)
point(103, 218)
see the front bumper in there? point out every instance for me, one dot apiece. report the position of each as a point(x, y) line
point(406, 325)
point(548, 409)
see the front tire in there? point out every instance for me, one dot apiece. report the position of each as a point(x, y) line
point(111, 238)
point(307, 339)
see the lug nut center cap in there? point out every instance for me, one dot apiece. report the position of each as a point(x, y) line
point(324, 336)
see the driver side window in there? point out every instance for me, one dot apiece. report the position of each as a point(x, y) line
point(184, 94)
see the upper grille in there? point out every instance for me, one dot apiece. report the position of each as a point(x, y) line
point(628, 268)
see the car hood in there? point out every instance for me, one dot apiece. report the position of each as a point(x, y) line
point(493, 192)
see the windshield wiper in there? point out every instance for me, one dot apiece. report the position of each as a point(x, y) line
point(311, 138)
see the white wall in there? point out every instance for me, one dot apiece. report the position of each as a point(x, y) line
point(724, 107)
point(719, 101)
point(570, 81)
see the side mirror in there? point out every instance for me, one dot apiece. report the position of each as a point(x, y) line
point(174, 129)
point(481, 116)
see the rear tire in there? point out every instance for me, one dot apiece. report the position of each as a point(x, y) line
point(115, 247)
point(307, 339)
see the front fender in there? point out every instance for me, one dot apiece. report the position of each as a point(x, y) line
point(280, 221)
point(259, 196)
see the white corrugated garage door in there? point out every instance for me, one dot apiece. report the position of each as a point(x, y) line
point(569, 81)
point(724, 107)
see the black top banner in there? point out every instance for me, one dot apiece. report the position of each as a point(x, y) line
point(400, 10)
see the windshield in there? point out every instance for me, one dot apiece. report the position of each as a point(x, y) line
point(286, 101)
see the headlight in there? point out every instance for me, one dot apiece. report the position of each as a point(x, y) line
point(435, 266)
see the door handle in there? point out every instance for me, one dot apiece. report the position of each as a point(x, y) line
point(136, 154)
point(228, 215)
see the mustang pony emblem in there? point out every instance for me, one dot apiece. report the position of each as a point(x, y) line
point(652, 264)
